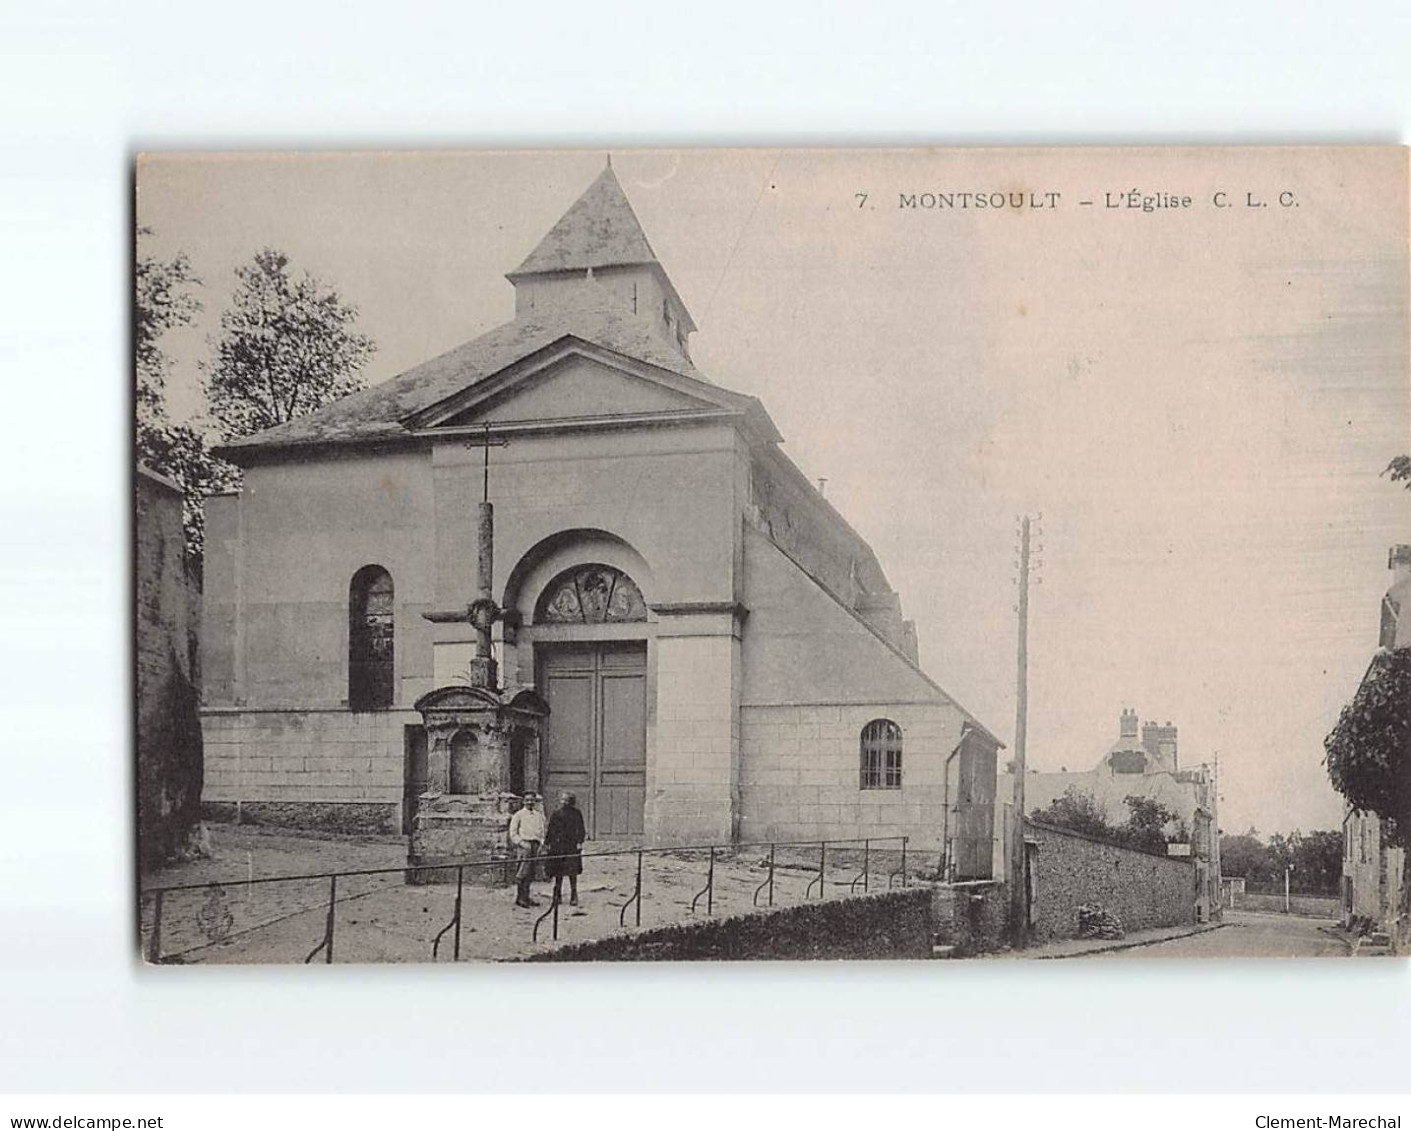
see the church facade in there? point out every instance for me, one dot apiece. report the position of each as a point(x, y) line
point(721, 654)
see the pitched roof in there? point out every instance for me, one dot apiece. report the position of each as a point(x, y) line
point(599, 230)
point(379, 412)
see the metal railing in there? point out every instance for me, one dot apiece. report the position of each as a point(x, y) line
point(159, 900)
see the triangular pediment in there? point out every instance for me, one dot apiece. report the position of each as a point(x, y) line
point(583, 387)
point(577, 382)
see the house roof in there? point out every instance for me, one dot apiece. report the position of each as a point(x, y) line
point(380, 412)
point(598, 230)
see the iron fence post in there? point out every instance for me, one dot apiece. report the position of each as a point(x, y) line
point(332, 901)
point(861, 877)
point(460, 884)
point(903, 861)
point(768, 883)
point(154, 949)
point(636, 897)
point(552, 911)
point(822, 864)
point(708, 890)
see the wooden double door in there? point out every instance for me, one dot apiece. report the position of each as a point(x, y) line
point(596, 746)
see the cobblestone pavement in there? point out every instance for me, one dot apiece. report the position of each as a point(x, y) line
point(380, 918)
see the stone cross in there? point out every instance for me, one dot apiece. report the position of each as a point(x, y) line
point(483, 612)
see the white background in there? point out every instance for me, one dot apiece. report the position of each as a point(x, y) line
point(84, 86)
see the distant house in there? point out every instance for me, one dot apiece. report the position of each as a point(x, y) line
point(1372, 873)
point(1144, 762)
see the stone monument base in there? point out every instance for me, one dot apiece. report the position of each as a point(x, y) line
point(454, 828)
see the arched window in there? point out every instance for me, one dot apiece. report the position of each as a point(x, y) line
point(370, 640)
point(591, 594)
point(881, 755)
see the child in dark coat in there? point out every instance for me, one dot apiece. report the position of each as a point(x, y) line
point(563, 844)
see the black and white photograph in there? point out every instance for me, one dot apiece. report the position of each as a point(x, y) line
point(772, 554)
point(607, 566)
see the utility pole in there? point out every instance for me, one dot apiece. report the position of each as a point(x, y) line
point(1018, 893)
point(1215, 837)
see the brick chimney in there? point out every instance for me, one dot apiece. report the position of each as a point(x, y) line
point(1394, 630)
point(1160, 742)
point(1127, 727)
point(1399, 562)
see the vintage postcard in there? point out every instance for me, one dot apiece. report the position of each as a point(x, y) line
point(772, 554)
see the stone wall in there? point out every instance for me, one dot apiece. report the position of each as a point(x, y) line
point(894, 924)
point(168, 726)
point(354, 817)
point(334, 770)
point(972, 917)
point(800, 775)
point(1071, 869)
point(1313, 906)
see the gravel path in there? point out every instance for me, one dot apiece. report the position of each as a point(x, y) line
point(380, 918)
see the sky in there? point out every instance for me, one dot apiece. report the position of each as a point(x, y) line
point(1198, 400)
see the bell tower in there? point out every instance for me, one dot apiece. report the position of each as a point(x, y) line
point(597, 258)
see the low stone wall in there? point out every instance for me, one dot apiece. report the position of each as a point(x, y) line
point(327, 770)
point(308, 816)
point(895, 924)
point(1313, 906)
point(1142, 889)
point(972, 917)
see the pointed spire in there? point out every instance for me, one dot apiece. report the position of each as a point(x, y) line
point(599, 230)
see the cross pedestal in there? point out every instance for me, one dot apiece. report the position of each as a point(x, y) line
point(482, 756)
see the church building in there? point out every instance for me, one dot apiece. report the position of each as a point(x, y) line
point(720, 653)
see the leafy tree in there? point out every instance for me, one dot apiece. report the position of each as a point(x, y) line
point(1317, 861)
point(1368, 752)
point(181, 453)
point(1144, 829)
point(163, 300)
point(1146, 826)
point(286, 347)
point(1079, 811)
point(1400, 470)
point(1245, 855)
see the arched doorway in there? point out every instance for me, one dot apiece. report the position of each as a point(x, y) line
point(596, 745)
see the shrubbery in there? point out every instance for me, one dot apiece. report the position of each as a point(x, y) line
point(1144, 828)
